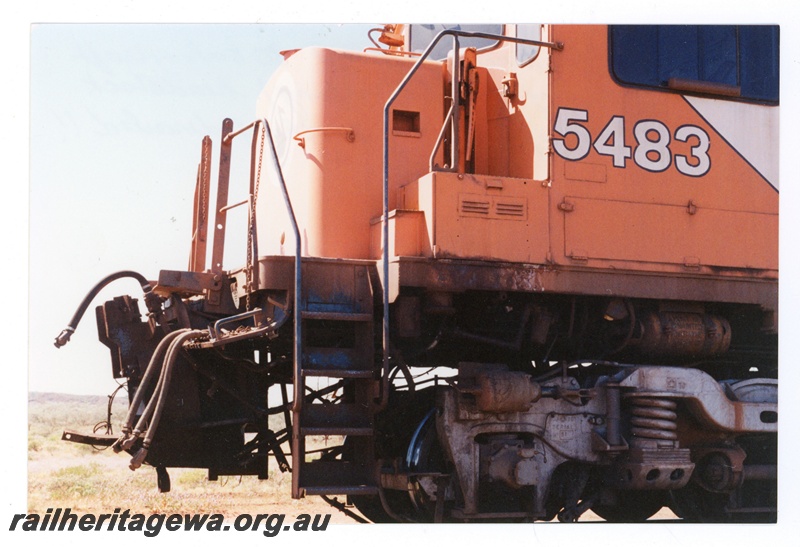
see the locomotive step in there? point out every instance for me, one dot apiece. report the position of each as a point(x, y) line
point(332, 360)
point(337, 477)
point(338, 373)
point(336, 316)
point(335, 419)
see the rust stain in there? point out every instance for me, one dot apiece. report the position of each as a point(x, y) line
point(738, 410)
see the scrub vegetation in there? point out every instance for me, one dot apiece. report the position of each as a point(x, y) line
point(64, 474)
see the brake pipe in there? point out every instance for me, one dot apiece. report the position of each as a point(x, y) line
point(63, 338)
point(156, 360)
point(142, 422)
point(166, 375)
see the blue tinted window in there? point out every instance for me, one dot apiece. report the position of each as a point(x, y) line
point(744, 57)
point(759, 61)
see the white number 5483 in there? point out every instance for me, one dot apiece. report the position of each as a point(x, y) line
point(652, 151)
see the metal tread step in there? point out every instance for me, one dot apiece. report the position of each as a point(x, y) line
point(340, 490)
point(336, 316)
point(335, 419)
point(337, 373)
point(323, 358)
point(336, 477)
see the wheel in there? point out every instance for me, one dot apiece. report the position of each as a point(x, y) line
point(694, 504)
point(632, 506)
point(371, 507)
point(425, 456)
point(754, 500)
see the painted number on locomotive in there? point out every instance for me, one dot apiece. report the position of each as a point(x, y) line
point(652, 151)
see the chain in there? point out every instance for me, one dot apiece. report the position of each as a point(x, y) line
point(252, 222)
point(205, 178)
point(472, 85)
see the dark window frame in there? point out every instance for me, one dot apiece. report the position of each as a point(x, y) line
point(707, 88)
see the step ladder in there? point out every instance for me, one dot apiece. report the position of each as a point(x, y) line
point(337, 343)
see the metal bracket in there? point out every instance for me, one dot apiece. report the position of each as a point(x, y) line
point(566, 206)
point(88, 438)
point(172, 281)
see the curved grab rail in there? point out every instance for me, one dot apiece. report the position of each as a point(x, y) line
point(298, 340)
point(297, 403)
point(454, 115)
point(350, 135)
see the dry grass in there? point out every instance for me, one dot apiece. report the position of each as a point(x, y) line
point(63, 474)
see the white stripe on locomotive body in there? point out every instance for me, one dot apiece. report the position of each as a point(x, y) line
point(751, 129)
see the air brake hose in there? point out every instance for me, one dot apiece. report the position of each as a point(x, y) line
point(162, 391)
point(144, 418)
point(156, 360)
point(65, 335)
point(141, 424)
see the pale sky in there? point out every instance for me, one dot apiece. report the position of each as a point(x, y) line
point(117, 116)
point(104, 142)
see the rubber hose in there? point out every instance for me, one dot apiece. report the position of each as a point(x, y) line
point(65, 335)
point(155, 360)
point(141, 424)
point(172, 356)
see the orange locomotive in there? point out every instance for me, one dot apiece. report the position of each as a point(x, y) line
point(573, 229)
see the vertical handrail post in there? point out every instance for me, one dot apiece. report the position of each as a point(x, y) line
point(385, 216)
point(298, 275)
point(222, 197)
point(197, 256)
point(455, 112)
point(298, 444)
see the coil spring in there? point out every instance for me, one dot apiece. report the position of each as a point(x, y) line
point(653, 418)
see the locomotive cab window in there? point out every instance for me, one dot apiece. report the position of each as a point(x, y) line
point(525, 53)
point(721, 60)
point(423, 35)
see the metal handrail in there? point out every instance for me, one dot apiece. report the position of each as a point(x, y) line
point(298, 276)
point(454, 114)
point(298, 394)
point(440, 137)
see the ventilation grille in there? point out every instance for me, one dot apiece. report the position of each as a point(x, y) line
point(499, 208)
point(505, 208)
point(469, 206)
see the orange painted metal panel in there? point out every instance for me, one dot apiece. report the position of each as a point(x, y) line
point(633, 208)
point(334, 181)
point(484, 217)
point(669, 234)
point(408, 235)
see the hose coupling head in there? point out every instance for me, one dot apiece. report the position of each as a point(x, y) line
point(138, 459)
point(117, 446)
point(63, 338)
point(151, 299)
point(128, 441)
